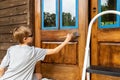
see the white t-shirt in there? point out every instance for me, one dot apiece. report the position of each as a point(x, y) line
point(20, 62)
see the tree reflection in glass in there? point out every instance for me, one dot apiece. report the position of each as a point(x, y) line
point(68, 12)
point(108, 19)
point(49, 13)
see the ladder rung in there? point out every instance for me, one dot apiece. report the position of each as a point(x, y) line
point(104, 70)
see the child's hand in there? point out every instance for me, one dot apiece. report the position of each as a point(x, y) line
point(68, 37)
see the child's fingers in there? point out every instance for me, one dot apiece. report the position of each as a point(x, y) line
point(69, 36)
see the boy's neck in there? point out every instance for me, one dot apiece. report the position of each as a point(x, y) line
point(23, 44)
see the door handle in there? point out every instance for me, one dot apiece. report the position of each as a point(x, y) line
point(75, 35)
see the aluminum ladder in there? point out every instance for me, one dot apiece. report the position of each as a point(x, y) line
point(86, 66)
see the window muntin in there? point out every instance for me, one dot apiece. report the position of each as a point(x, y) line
point(49, 14)
point(108, 20)
point(54, 18)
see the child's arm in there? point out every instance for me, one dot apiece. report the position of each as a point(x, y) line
point(58, 48)
point(4, 63)
point(2, 70)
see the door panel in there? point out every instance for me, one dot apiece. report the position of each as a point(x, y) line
point(60, 72)
point(103, 77)
point(109, 54)
point(55, 35)
point(109, 35)
point(68, 63)
point(105, 43)
point(62, 57)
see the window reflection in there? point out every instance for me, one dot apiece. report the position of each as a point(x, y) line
point(68, 12)
point(49, 13)
point(108, 19)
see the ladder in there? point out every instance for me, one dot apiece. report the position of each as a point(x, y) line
point(97, 69)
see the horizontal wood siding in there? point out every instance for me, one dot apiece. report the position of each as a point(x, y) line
point(8, 29)
point(12, 3)
point(5, 46)
point(12, 20)
point(6, 38)
point(13, 13)
point(19, 10)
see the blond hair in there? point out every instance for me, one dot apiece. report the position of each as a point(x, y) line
point(21, 32)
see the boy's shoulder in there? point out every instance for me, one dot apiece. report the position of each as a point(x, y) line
point(18, 46)
point(11, 47)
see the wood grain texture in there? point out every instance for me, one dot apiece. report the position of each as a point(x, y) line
point(13, 20)
point(5, 46)
point(55, 35)
point(94, 43)
point(109, 35)
point(69, 66)
point(105, 46)
point(6, 38)
point(37, 31)
point(103, 77)
point(12, 3)
point(19, 10)
point(109, 54)
point(83, 26)
point(60, 72)
point(13, 13)
point(68, 55)
point(8, 29)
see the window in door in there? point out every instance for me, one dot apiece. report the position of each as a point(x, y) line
point(49, 14)
point(59, 14)
point(109, 20)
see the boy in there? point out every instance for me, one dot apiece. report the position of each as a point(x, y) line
point(20, 59)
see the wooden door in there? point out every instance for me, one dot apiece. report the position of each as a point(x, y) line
point(105, 45)
point(50, 32)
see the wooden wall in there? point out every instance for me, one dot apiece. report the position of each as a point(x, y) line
point(13, 13)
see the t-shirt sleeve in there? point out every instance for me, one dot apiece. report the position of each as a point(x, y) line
point(40, 53)
point(6, 60)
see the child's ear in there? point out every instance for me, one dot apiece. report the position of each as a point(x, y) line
point(24, 38)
